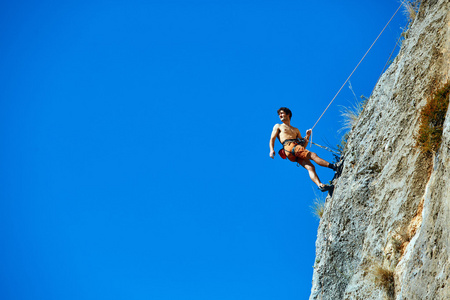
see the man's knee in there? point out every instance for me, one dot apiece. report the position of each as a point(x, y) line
point(309, 167)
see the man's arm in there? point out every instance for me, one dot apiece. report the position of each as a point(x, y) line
point(275, 132)
point(308, 134)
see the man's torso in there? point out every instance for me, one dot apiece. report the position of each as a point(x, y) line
point(288, 133)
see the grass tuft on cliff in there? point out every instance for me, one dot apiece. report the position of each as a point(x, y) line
point(318, 207)
point(400, 237)
point(350, 115)
point(384, 278)
point(432, 117)
point(411, 8)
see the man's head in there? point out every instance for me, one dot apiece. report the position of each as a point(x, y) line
point(286, 110)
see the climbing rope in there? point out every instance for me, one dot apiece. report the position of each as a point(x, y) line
point(326, 148)
point(328, 226)
point(384, 68)
point(358, 64)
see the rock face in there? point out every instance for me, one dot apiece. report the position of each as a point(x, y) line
point(385, 232)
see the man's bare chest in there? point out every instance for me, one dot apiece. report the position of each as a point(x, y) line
point(288, 131)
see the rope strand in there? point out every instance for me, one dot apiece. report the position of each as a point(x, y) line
point(358, 64)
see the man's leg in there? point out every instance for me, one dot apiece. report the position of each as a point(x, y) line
point(321, 162)
point(306, 163)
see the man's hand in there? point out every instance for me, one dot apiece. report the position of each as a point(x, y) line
point(272, 154)
point(308, 132)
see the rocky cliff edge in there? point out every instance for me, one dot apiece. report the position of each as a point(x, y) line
point(385, 232)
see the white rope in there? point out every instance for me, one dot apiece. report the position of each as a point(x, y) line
point(358, 64)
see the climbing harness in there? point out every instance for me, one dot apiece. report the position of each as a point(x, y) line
point(298, 142)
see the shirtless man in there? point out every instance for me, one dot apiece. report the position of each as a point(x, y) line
point(295, 151)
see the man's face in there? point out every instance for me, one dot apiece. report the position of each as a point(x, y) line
point(283, 116)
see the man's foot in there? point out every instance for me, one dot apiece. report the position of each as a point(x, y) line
point(333, 167)
point(325, 187)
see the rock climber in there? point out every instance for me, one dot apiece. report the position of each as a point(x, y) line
point(294, 147)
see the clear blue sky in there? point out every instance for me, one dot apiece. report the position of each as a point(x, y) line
point(135, 142)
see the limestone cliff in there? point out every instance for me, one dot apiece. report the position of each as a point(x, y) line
point(390, 211)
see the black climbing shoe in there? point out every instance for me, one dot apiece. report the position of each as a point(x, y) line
point(326, 187)
point(333, 167)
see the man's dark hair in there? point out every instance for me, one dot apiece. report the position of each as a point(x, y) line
point(286, 110)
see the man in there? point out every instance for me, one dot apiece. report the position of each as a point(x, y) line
point(294, 147)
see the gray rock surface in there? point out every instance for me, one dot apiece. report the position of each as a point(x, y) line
point(390, 209)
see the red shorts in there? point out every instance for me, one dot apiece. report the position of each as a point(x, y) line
point(300, 153)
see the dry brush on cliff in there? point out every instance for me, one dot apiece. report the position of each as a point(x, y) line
point(432, 117)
